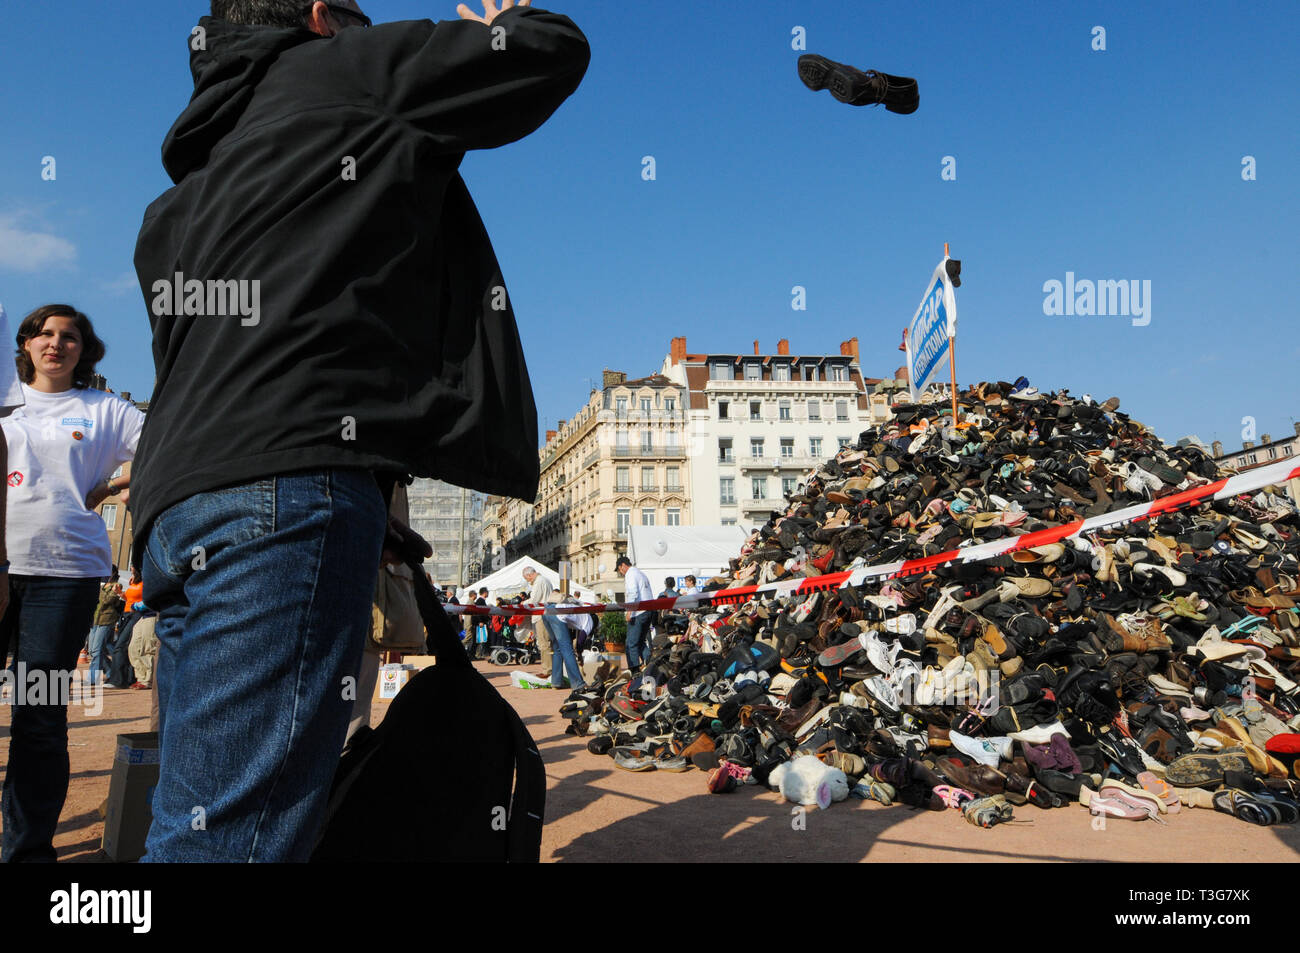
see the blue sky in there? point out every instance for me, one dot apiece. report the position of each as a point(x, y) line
point(1117, 164)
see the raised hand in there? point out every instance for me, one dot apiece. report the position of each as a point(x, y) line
point(490, 11)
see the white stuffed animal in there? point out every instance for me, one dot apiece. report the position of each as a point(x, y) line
point(808, 781)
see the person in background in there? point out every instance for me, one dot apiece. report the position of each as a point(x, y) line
point(692, 587)
point(480, 626)
point(540, 593)
point(111, 605)
point(144, 648)
point(638, 623)
point(62, 447)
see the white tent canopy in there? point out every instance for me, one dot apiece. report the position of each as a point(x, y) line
point(679, 551)
point(508, 581)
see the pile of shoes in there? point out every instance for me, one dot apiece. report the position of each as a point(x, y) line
point(1134, 670)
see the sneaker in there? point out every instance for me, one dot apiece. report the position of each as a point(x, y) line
point(857, 88)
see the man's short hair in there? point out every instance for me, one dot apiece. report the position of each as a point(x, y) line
point(622, 561)
point(483, 591)
point(280, 13)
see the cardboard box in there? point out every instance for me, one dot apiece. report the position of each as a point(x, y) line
point(130, 796)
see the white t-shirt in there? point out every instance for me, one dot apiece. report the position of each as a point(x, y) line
point(11, 394)
point(60, 446)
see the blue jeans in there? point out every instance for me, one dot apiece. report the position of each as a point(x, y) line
point(98, 636)
point(120, 672)
point(562, 653)
point(263, 592)
point(45, 626)
point(638, 644)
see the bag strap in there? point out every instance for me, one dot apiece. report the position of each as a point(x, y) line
point(442, 640)
point(528, 802)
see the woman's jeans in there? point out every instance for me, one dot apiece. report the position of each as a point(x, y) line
point(263, 593)
point(45, 627)
point(99, 636)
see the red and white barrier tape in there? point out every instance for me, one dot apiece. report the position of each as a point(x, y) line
point(1231, 486)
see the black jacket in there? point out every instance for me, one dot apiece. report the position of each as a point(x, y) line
point(325, 170)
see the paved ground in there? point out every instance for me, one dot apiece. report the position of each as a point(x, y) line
point(596, 812)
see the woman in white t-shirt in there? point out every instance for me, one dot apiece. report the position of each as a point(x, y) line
point(63, 445)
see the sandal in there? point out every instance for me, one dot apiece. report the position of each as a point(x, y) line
point(953, 797)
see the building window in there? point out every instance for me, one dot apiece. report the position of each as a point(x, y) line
point(843, 441)
point(624, 521)
point(647, 517)
point(815, 447)
point(781, 372)
point(756, 447)
point(622, 480)
point(728, 522)
point(814, 410)
point(723, 408)
point(727, 490)
point(839, 372)
point(810, 372)
point(724, 450)
point(841, 410)
point(755, 410)
point(787, 485)
point(647, 478)
point(673, 478)
point(759, 487)
point(670, 404)
point(647, 441)
point(753, 371)
point(645, 405)
point(783, 410)
point(620, 406)
point(620, 442)
point(110, 516)
point(787, 447)
point(674, 517)
point(719, 371)
point(672, 446)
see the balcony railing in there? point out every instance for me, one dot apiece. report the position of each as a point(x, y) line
point(779, 463)
point(649, 488)
point(661, 452)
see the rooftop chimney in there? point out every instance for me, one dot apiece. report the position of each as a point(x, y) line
point(755, 347)
point(1264, 438)
point(677, 351)
point(1248, 445)
point(550, 435)
point(783, 346)
point(849, 348)
point(610, 378)
point(1297, 428)
point(1217, 449)
point(902, 375)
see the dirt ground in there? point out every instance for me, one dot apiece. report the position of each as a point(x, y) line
point(597, 812)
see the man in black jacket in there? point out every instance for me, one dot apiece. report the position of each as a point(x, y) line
point(328, 315)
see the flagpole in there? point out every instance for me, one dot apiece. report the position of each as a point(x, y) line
point(952, 359)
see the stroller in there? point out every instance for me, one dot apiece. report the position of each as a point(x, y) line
point(521, 650)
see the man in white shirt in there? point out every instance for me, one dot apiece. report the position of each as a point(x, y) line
point(540, 592)
point(638, 589)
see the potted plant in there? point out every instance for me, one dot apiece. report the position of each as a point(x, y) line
point(613, 630)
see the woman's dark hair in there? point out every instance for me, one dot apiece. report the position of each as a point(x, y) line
point(92, 348)
point(280, 13)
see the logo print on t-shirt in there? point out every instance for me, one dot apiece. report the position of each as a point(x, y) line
point(76, 435)
point(15, 479)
